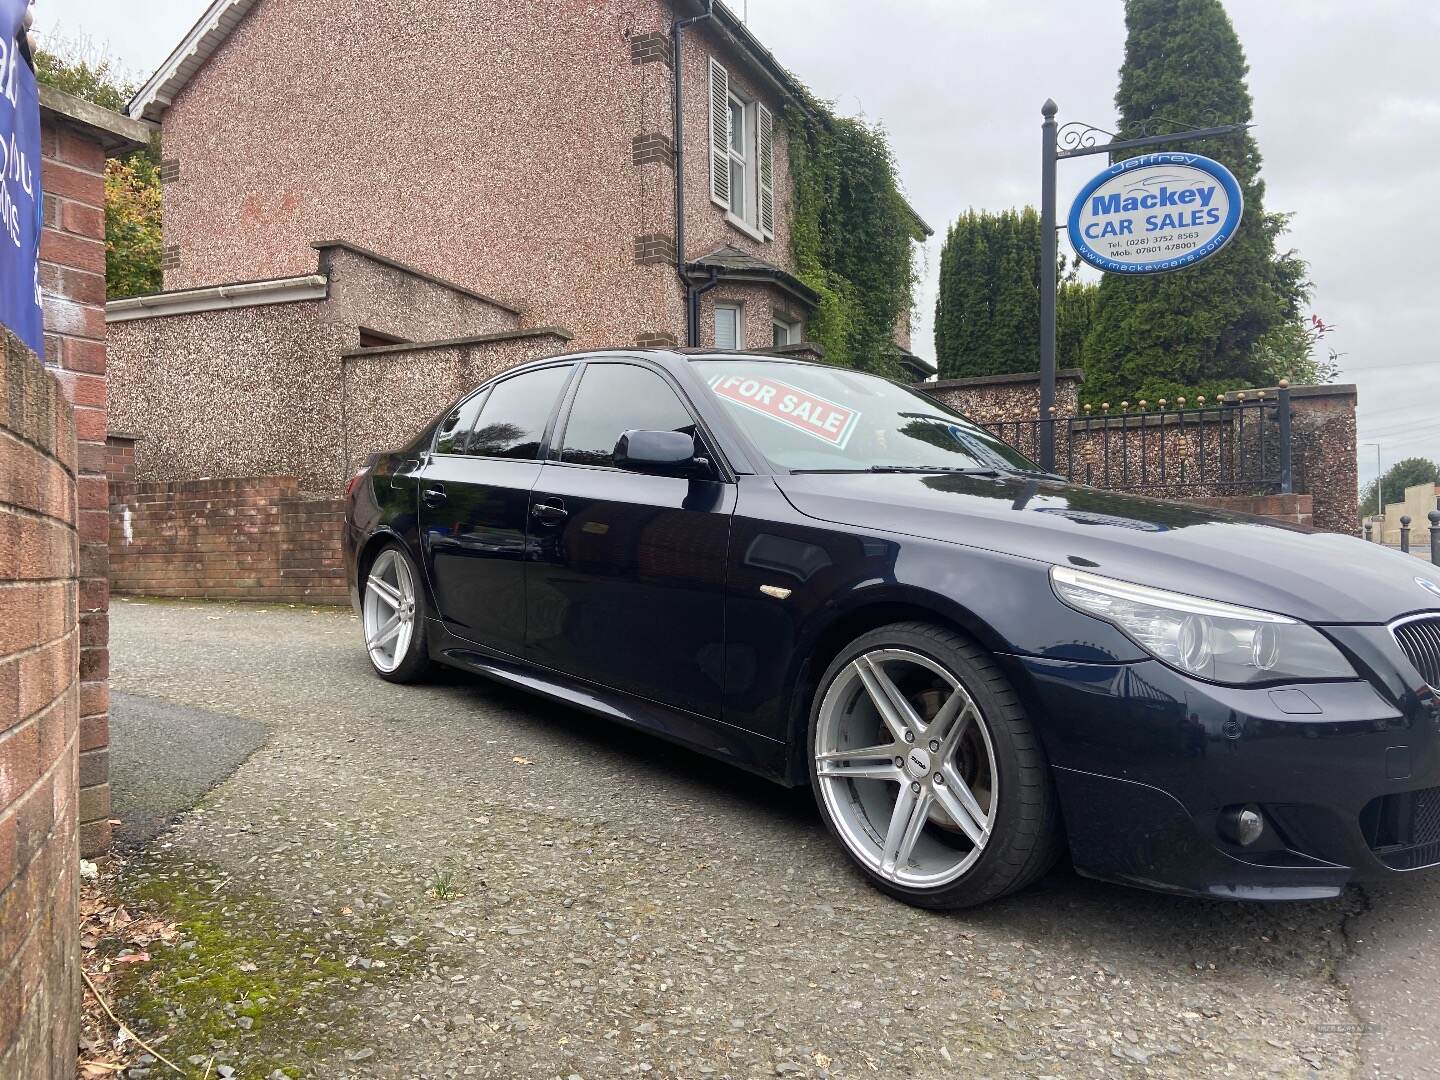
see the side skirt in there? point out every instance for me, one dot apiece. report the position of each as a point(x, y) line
point(714, 738)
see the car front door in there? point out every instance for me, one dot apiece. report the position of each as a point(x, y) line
point(626, 587)
point(475, 502)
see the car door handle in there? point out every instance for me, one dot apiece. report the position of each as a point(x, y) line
point(433, 495)
point(549, 513)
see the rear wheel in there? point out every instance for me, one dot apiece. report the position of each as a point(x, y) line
point(927, 770)
point(394, 617)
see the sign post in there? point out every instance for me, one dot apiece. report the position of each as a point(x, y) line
point(1161, 179)
point(21, 205)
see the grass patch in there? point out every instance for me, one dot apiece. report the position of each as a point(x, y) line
point(245, 982)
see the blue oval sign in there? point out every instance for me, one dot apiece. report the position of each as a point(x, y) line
point(1156, 212)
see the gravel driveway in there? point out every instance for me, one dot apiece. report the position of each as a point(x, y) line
point(611, 906)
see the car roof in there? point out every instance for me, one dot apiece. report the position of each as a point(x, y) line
point(681, 355)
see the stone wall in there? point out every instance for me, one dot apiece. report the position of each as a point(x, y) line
point(40, 734)
point(248, 538)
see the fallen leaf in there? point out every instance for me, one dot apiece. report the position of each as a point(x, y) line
point(522, 761)
point(133, 958)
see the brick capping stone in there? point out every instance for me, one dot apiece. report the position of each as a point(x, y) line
point(111, 132)
point(40, 726)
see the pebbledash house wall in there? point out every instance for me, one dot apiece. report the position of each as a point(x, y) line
point(520, 149)
point(267, 389)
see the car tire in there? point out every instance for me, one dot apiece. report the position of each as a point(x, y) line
point(393, 617)
point(971, 821)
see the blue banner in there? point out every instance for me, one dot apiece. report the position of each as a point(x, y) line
point(21, 206)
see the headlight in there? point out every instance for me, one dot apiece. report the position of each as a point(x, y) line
point(1202, 637)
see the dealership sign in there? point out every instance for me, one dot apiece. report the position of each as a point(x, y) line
point(1156, 212)
point(20, 202)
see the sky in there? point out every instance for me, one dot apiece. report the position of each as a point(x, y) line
point(1347, 113)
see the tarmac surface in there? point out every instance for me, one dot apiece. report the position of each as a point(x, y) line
point(594, 903)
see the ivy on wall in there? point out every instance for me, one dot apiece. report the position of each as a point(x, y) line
point(851, 236)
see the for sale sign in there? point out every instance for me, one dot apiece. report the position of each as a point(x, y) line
point(21, 206)
point(1156, 212)
point(814, 415)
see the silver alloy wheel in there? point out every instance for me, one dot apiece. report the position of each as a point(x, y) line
point(389, 610)
point(906, 768)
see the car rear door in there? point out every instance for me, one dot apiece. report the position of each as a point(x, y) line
point(626, 586)
point(475, 503)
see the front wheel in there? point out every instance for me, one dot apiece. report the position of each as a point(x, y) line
point(927, 770)
point(393, 616)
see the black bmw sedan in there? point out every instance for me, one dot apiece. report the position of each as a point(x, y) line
point(831, 579)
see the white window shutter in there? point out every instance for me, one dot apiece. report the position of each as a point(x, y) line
point(766, 150)
point(719, 134)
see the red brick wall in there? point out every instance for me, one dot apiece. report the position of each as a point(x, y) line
point(39, 725)
point(1289, 509)
point(72, 275)
point(120, 458)
point(251, 538)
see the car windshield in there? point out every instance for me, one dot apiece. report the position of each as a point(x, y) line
point(808, 418)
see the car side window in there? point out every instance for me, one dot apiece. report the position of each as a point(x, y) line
point(512, 423)
point(454, 431)
point(614, 398)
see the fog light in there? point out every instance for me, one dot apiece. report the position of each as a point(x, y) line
point(1241, 825)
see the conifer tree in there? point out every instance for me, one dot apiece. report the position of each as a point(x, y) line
point(1197, 329)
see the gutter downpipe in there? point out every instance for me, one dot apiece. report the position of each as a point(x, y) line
point(692, 293)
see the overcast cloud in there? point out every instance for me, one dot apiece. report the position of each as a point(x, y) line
point(1347, 103)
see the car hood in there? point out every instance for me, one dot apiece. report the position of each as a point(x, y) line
point(1233, 558)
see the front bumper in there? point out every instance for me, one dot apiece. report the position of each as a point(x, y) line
point(1147, 760)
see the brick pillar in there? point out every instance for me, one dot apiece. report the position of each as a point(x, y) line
point(990, 399)
point(75, 139)
point(1323, 433)
point(39, 706)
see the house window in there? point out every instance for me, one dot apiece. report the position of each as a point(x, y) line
point(742, 157)
point(729, 326)
point(785, 333)
point(740, 162)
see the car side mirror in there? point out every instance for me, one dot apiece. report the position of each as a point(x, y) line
point(668, 452)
